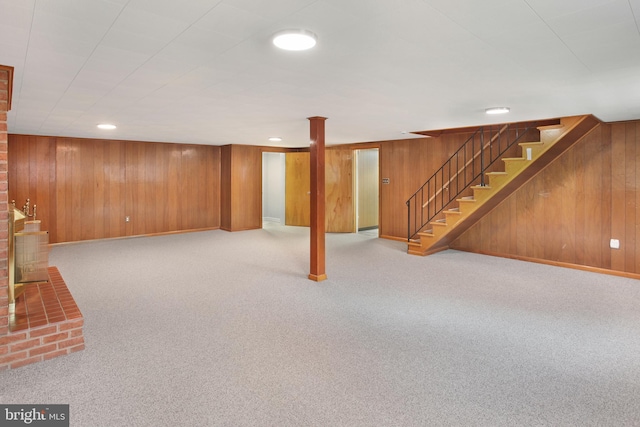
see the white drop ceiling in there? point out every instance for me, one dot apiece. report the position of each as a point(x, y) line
point(205, 71)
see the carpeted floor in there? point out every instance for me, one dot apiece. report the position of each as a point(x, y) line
point(224, 329)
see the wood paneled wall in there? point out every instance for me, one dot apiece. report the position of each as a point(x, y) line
point(225, 187)
point(407, 164)
point(241, 186)
point(570, 211)
point(200, 185)
point(84, 188)
point(34, 176)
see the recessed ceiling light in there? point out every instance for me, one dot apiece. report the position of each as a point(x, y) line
point(275, 139)
point(295, 40)
point(106, 126)
point(497, 110)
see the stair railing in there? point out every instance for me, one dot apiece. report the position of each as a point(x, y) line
point(462, 170)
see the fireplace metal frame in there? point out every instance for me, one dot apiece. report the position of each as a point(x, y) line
point(39, 255)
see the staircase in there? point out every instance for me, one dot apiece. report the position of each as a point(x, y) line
point(451, 202)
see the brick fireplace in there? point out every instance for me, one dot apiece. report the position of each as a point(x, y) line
point(46, 322)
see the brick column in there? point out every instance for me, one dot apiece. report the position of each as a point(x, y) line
point(6, 76)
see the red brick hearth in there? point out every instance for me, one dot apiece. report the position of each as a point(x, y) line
point(47, 324)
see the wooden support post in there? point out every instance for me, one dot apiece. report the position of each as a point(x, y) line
point(317, 199)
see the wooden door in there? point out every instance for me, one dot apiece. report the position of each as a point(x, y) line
point(297, 210)
point(339, 188)
point(339, 205)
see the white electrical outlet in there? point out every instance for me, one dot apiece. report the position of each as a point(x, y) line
point(127, 218)
point(614, 244)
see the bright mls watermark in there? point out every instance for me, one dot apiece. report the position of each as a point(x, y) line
point(34, 415)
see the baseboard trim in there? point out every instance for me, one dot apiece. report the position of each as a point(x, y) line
point(556, 263)
point(397, 239)
point(135, 236)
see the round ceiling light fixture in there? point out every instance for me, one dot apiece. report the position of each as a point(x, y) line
point(295, 40)
point(497, 110)
point(106, 126)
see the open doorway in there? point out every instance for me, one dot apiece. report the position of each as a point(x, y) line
point(273, 187)
point(367, 190)
point(353, 185)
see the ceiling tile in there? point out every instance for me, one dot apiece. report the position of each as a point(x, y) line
point(187, 11)
point(232, 21)
point(147, 25)
point(548, 9)
point(271, 9)
point(588, 19)
point(486, 18)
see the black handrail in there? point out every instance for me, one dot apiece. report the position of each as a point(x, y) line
point(482, 157)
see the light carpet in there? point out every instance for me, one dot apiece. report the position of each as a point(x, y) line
point(224, 329)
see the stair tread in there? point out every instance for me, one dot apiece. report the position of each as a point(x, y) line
point(531, 143)
point(439, 224)
point(513, 159)
point(481, 187)
point(453, 212)
point(496, 173)
point(466, 200)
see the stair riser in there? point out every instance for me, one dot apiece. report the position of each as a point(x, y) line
point(426, 241)
point(467, 207)
point(536, 149)
point(439, 230)
point(480, 195)
point(497, 180)
point(513, 167)
point(550, 135)
point(452, 219)
point(415, 251)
